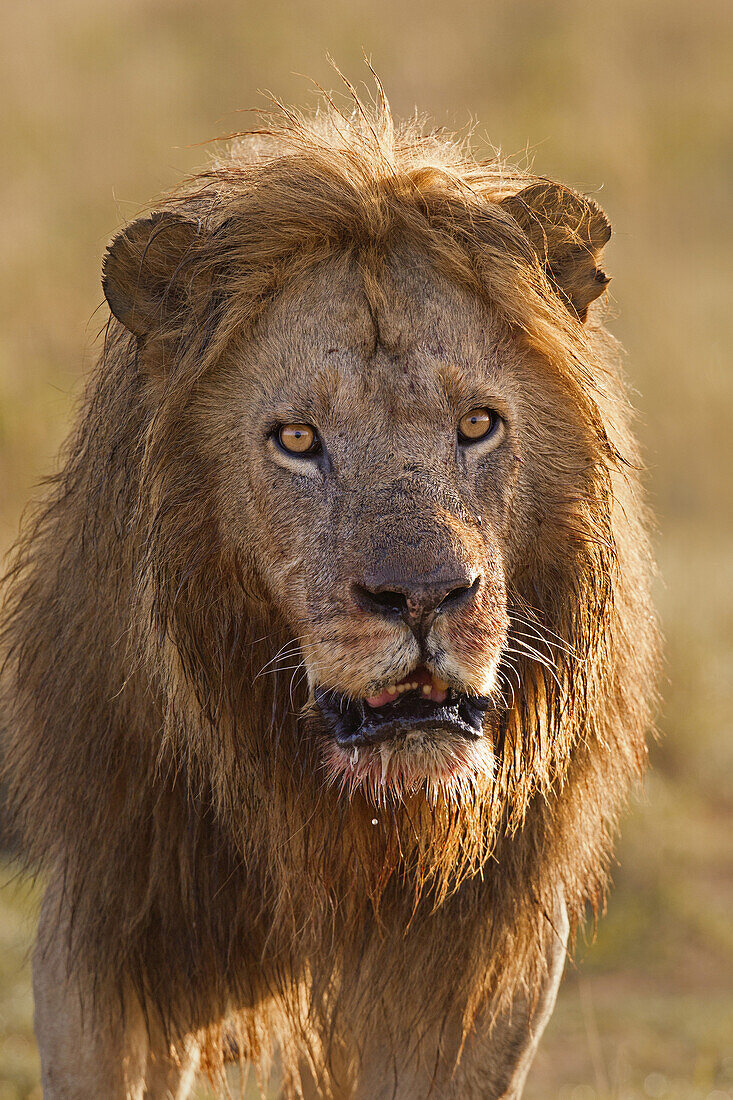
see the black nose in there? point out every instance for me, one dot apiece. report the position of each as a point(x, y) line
point(417, 600)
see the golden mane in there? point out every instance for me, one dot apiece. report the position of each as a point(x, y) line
point(172, 787)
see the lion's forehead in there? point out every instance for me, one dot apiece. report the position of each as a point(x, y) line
point(410, 331)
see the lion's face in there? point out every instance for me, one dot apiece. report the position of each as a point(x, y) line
point(376, 457)
point(399, 476)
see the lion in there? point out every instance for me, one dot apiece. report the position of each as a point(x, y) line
point(329, 655)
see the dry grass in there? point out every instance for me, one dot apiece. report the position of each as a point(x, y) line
point(103, 106)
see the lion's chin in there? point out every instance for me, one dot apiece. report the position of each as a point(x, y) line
point(428, 761)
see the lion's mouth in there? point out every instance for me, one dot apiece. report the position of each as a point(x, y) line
point(419, 702)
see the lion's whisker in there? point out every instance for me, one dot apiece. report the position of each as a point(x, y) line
point(537, 625)
point(539, 658)
point(289, 650)
point(559, 645)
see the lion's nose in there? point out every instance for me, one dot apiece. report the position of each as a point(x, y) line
point(417, 600)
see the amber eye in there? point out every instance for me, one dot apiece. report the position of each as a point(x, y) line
point(299, 439)
point(477, 424)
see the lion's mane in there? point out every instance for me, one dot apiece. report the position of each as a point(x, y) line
point(205, 861)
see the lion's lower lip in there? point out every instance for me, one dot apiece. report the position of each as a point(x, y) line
point(354, 723)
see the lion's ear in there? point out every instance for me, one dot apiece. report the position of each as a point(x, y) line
point(568, 232)
point(144, 274)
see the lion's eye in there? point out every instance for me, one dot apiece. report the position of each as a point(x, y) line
point(299, 439)
point(477, 424)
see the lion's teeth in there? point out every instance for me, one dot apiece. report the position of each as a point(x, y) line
point(436, 685)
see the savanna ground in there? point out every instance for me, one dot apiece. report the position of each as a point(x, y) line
point(104, 105)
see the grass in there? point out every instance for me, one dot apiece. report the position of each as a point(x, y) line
point(106, 105)
point(19, 1065)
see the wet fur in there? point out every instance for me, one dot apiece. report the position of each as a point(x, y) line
point(205, 863)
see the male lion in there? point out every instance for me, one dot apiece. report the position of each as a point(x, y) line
point(329, 655)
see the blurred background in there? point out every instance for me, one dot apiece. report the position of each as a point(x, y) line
point(105, 105)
